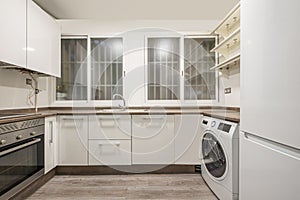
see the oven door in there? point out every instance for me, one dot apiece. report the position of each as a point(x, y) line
point(19, 163)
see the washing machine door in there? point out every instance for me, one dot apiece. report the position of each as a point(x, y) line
point(213, 155)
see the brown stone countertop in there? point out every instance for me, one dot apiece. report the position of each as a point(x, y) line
point(230, 114)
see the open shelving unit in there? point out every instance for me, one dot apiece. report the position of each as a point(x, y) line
point(228, 47)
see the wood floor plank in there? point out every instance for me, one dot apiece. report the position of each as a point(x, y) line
point(118, 187)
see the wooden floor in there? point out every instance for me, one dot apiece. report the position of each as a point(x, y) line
point(150, 186)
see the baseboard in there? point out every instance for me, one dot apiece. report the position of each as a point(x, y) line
point(123, 170)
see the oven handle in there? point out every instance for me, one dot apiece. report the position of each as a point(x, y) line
point(2, 153)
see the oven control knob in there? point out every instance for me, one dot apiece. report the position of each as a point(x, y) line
point(19, 137)
point(33, 133)
point(2, 142)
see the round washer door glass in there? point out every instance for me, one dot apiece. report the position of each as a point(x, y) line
point(213, 155)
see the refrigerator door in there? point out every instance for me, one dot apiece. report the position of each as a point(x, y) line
point(270, 71)
point(268, 170)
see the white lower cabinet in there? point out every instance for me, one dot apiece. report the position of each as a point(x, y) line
point(188, 133)
point(109, 152)
point(110, 127)
point(50, 139)
point(110, 140)
point(73, 140)
point(153, 139)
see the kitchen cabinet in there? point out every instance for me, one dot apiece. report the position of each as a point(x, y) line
point(43, 41)
point(110, 140)
point(13, 32)
point(73, 140)
point(188, 134)
point(152, 139)
point(50, 140)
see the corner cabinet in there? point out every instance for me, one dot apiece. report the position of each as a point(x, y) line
point(43, 41)
point(73, 140)
point(13, 32)
point(50, 143)
point(228, 46)
point(188, 134)
point(153, 139)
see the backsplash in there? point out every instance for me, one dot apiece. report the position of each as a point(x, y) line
point(14, 91)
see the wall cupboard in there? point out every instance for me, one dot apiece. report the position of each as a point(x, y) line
point(36, 37)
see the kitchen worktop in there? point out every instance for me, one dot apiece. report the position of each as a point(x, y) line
point(230, 114)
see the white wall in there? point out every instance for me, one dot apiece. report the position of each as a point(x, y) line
point(232, 99)
point(14, 91)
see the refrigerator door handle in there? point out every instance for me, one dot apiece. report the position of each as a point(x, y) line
point(275, 146)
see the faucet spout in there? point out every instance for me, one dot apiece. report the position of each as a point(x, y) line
point(120, 96)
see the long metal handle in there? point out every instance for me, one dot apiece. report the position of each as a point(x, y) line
point(51, 131)
point(116, 143)
point(2, 153)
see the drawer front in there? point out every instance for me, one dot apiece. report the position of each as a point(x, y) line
point(110, 127)
point(109, 152)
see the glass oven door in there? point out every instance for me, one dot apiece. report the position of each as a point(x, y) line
point(20, 161)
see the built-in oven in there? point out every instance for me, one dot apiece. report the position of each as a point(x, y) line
point(21, 155)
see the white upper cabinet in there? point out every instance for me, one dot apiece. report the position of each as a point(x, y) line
point(43, 41)
point(13, 32)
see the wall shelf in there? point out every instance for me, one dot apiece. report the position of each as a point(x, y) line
point(227, 63)
point(229, 23)
point(229, 46)
point(229, 43)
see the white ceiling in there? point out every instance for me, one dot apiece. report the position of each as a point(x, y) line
point(138, 9)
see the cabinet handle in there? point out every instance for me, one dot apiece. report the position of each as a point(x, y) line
point(109, 118)
point(51, 131)
point(153, 118)
point(71, 119)
point(116, 143)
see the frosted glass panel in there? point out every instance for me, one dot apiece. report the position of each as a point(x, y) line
point(73, 82)
point(106, 67)
point(199, 80)
point(163, 69)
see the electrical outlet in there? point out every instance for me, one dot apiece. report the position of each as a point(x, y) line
point(28, 81)
point(227, 90)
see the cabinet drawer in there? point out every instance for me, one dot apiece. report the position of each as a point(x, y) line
point(110, 127)
point(109, 152)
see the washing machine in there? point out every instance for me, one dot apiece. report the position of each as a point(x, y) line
point(219, 152)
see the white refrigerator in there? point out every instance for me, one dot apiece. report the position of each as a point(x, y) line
point(270, 100)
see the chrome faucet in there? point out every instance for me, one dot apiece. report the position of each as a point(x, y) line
point(120, 96)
